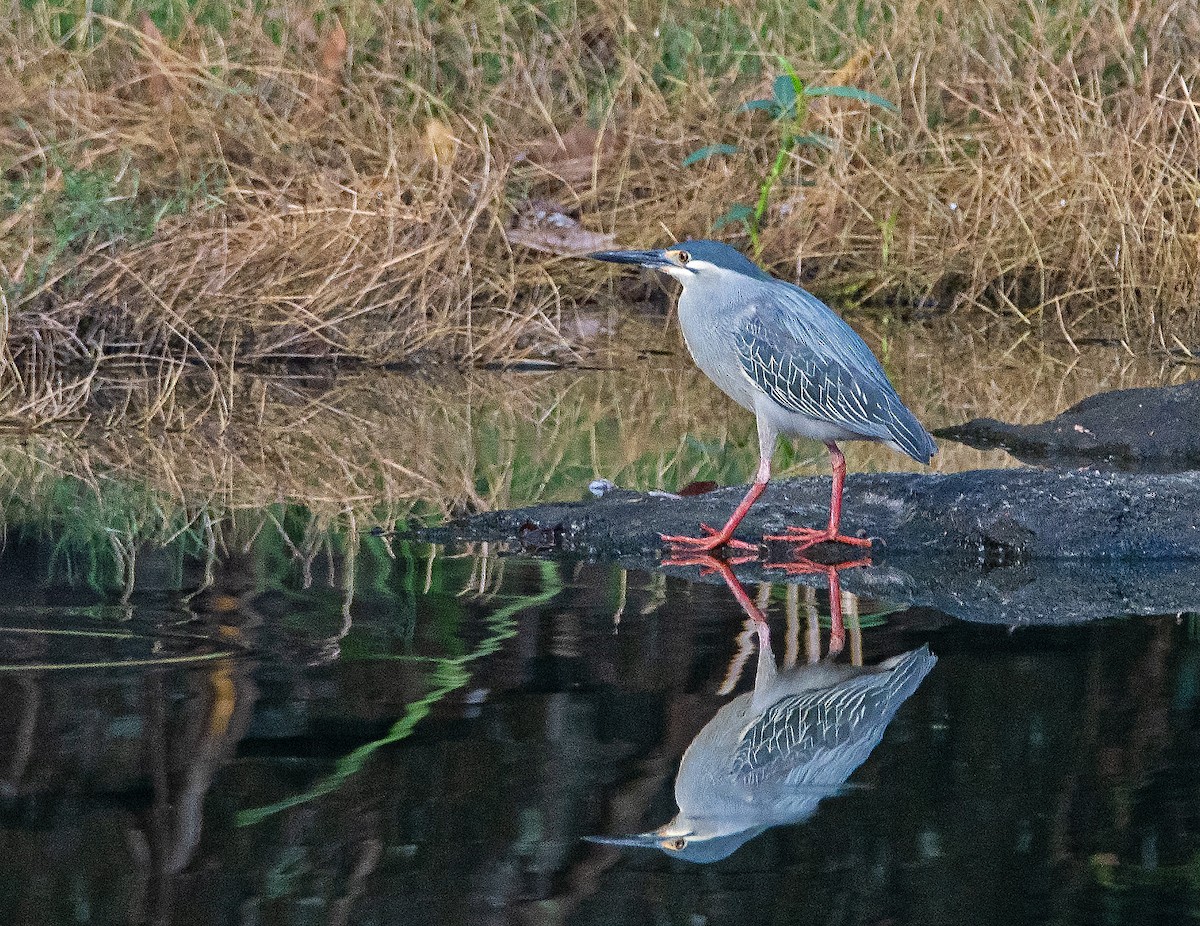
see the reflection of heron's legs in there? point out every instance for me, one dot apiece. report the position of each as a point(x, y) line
point(739, 592)
point(812, 642)
point(767, 672)
point(854, 626)
point(706, 561)
point(837, 629)
point(755, 617)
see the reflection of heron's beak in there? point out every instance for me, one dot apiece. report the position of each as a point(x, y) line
point(642, 840)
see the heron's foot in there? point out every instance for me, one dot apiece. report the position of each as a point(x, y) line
point(712, 540)
point(709, 564)
point(805, 537)
point(806, 567)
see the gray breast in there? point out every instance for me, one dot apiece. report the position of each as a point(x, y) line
point(709, 334)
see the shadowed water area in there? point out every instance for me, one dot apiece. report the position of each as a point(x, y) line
point(228, 700)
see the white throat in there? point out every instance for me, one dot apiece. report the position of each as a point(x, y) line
point(687, 274)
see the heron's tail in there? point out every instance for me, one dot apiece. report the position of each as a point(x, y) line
point(907, 671)
point(909, 436)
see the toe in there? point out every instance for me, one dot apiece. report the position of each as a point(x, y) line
point(692, 543)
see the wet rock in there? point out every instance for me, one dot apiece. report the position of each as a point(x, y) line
point(1151, 430)
point(989, 517)
point(1016, 547)
point(1040, 592)
point(1043, 592)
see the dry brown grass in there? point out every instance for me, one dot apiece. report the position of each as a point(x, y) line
point(350, 181)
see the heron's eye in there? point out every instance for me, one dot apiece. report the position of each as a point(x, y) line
point(682, 256)
point(674, 844)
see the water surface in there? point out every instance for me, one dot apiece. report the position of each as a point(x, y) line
point(434, 748)
point(228, 701)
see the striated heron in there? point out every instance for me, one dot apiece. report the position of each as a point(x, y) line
point(781, 353)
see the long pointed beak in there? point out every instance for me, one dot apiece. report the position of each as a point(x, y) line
point(654, 260)
point(642, 840)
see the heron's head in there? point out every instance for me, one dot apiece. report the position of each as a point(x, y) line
point(689, 262)
point(691, 839)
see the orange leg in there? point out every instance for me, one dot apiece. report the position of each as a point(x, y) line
point(807, 537)
point(717, 538)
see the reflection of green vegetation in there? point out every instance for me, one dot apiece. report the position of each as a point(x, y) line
point(866, 620)
point(1125, 886)
point(874, 616)
point(376, 450)
point(448, 675)
point(101, 635)
point(97, 528)
point(103, 504)
point(157, 662)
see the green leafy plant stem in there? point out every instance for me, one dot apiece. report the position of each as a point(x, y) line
point(788, 107)
point(787, 143)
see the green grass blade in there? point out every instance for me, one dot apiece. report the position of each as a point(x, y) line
point(853, 93)
point(708, 151)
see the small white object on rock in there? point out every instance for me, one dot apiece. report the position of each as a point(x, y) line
point(601, 487)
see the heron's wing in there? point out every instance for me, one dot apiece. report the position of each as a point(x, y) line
point(809, 361)
point(819, 737)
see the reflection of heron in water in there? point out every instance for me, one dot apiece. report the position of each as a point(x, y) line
point(769, 756)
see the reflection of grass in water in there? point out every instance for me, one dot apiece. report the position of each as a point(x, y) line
point(875, 614)
point(149, 663)
point(1126, 884)
point(448, 675)
point(313, 468)
point(82, 634)
point(97, 526)
point(865, 621)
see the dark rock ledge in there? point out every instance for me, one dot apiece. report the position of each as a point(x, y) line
point(1013, 546)
point(988, 516)
point(1154, 429)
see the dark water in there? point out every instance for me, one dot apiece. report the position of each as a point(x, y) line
point(434, 748)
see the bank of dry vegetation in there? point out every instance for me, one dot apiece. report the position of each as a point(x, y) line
point(206, 185)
